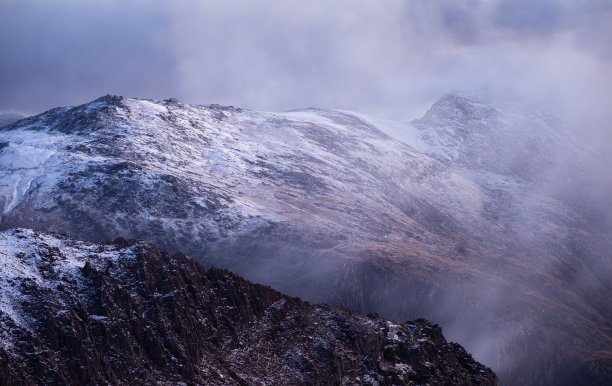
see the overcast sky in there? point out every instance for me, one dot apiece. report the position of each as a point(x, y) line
point(386, 57)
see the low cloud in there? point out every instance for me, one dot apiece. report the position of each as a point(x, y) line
point(385, 57)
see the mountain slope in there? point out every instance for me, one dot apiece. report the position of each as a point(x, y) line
point(293, 189)
point(455, 223)
point(125, 313)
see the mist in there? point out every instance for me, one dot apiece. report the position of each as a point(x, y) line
point(386, 58)
point(390, 58)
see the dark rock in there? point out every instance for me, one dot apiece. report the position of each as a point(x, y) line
point(136, 315)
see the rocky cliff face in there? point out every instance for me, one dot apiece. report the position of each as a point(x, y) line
point(454, 222)
point(75, 313)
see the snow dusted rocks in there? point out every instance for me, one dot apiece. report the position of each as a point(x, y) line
point(75, 313)
point(454, 222)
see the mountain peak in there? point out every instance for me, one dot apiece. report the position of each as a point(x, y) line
point(460, 107)
point(109, 98)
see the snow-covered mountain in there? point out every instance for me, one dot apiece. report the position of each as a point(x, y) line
point(448, 217)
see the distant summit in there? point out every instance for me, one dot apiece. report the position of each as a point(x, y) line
point(460, 108)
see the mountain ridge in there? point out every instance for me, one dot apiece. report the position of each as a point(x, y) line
point(124, 313)
point(319, 204)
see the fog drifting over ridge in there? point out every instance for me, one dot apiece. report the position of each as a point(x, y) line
point(390, 58)
point(387, 58)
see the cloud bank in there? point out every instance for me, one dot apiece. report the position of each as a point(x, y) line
point(386, 57)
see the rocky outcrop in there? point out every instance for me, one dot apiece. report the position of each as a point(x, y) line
point(74, 313)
